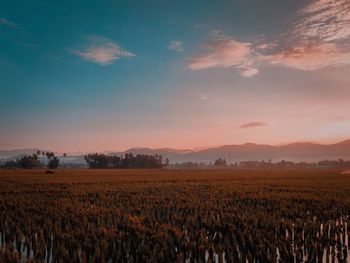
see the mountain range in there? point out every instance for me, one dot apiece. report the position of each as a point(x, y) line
point(300, 151)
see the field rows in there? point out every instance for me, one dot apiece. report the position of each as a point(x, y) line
point(174, 216)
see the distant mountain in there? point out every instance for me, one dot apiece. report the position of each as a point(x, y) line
point(161, 151)
point(300, 151)
point(309, 152)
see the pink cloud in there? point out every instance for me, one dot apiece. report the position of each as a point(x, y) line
point(317, 40)
point(221, 51)
point(326, 20)
point(338, 118)
point(310, 57)
point(265, 46)
point(248, 72)
point(102, 51)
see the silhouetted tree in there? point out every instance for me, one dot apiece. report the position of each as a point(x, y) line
point(11, 164)
point(53, 161)
point(220, 162)
point(29, 161)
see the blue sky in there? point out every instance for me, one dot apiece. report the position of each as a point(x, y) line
point(109, 75)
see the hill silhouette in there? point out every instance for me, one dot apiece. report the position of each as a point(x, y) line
point(299, 151)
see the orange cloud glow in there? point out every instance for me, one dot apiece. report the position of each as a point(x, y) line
point(224, 52)
point(310, 57)
point(102, 51)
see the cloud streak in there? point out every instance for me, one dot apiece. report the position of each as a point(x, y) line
point(103, 51)
point(4, 21)
point(311, 57)
point(176, 46)
point(254, 124)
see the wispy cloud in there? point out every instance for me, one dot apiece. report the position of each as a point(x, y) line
point(254, 124)
point(223, 51)
point(204, 97)
point(248, 72)
point(102, 51)
point(169, 22)
point(338, 118)
point(6, 22)
point(176, 46)
point(319, 39)
point(31, 45)
point(325, 20)
point(311, 56)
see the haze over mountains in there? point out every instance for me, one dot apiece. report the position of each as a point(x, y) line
point(309, 152)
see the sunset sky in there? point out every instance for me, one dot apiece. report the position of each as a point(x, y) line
point(109, 75)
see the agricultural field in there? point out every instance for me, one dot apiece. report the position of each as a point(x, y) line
point(84, 215)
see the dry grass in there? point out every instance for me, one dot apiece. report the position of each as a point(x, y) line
point(196, 211)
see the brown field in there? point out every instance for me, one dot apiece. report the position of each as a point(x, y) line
point(174, 215)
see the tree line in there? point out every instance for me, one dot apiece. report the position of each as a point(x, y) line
point(129, 160)
point(94, 161)
point(126, 161)
point(283, 164)
point(34, 161)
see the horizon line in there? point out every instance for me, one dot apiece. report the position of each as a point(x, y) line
point(195, 149)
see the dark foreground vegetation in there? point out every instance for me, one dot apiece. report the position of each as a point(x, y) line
point(126, 161)
point(283, 164)
point(174, 216)
point(36, 160)
point(94, 161)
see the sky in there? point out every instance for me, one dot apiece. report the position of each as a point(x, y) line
point(110, 75)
